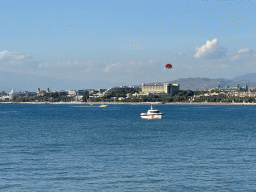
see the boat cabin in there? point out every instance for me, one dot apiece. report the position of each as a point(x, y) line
point(153, 111)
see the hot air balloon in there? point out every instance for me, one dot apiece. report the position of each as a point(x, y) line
point(168, 66)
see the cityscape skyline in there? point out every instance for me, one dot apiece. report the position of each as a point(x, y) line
point(104, 44)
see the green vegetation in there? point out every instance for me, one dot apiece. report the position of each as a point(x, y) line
point(125, 95)
point(223, 99)
point(181, 96)
point(85, 96)
point(117, 93)
point(48, 97)
point(122, 92)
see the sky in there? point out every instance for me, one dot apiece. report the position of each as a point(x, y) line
point(112, 43)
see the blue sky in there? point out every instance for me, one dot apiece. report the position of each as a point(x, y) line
point(127, 42)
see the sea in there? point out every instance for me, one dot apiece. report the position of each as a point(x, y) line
point(90, 148)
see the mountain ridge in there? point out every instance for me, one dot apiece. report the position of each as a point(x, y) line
point(24, 82)
point(249, 76)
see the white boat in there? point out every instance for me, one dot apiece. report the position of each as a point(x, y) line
point(152, 114)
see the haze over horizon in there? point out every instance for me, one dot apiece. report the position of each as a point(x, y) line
point(114, 43)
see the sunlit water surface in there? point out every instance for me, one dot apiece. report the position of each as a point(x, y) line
point(88, 148)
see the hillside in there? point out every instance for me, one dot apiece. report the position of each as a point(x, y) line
point(26, 82)
point(250, 77)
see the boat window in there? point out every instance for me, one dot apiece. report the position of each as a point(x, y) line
point(154, 111)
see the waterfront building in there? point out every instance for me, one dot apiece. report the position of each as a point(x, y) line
point(13, 94)
point(229, 89)
point(30, 94)
point(41, 92)
point(166, 88)
point(127, 87)
point(79, 98)
point(4, 97)
point(80, 92)
point(3, 93)
point(71, 93)
point(101, 90)
point(141, 94)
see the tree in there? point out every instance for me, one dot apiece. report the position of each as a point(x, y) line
point(85, 95)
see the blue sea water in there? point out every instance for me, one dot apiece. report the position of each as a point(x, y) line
point(89, 148)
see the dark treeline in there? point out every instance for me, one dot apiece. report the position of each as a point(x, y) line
point(50, 97)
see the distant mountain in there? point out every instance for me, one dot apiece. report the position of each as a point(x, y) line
point(249, 77)
point(24, 82)
point(206, 83)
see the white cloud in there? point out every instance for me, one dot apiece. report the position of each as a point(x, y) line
point(12, 56)
point(211, 50)
point(109, 68)
point(68, 64)
point(243, 50)
point(235, 58)
point(224, 65)
point(151, 61)
point(243, 54)
point(16, 61)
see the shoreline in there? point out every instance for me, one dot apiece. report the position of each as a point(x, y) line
point(129, 103)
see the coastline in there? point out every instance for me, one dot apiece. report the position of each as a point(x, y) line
point(130, 103)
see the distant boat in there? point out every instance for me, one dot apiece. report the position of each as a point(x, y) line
point(103, 105)
point(91, 104)
point(152, 114)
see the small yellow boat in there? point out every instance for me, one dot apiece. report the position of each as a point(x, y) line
point(103, 105)
point(91, 104)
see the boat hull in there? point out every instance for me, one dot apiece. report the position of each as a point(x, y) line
point(151, 116)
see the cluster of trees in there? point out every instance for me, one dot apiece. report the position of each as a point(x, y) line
point(174, 97)
point(181, 96)
point(48, 97)
point(225, 99)
point(122, 92)
point(85, 95)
